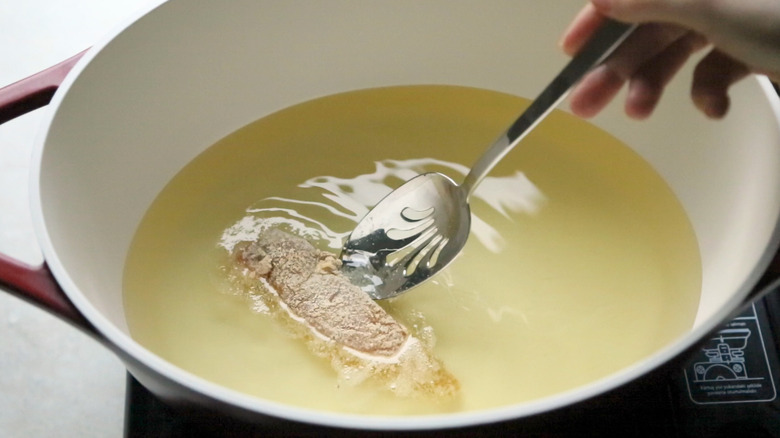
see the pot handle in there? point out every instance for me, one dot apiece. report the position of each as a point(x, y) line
point(34, 91)
point(36, 283)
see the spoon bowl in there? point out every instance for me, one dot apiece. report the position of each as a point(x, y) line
point(412, 234)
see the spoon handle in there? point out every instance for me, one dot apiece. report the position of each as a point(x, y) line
point(600, 45)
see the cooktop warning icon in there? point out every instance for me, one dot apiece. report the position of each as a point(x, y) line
point(732, 365)
point(725, 357)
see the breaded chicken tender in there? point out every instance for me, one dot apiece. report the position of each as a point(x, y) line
point(338, 320)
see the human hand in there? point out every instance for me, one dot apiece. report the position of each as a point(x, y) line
point(744, 36)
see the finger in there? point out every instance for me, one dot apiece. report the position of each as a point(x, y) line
point(595, 91)
point(648, 82)
point(644, 44)
point(580, 30)
point(601, 85)
point(711, 80)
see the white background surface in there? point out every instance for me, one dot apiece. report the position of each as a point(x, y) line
point(54, 381)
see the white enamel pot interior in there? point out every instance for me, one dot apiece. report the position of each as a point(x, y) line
point(181, 75)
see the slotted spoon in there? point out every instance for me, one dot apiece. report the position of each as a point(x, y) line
point(420, 227)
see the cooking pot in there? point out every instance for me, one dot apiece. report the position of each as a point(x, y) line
point(135, 108)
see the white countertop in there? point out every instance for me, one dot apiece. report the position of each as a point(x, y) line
point(54, 380)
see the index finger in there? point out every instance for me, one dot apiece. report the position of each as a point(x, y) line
point(581, 29)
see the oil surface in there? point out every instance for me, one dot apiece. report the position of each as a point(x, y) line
point(581, 260)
